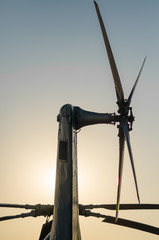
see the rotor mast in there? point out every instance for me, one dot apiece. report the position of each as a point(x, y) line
point(66, 208)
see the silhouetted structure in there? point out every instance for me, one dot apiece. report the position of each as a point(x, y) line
point(66, 209)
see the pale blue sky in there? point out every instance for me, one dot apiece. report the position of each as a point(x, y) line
point(52, 53)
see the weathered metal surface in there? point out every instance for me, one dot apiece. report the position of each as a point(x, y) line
point(66, 209)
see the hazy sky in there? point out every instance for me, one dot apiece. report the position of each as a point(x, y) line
point(51, 53)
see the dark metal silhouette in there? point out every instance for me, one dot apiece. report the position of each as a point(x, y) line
point(66, 209)
point(84, 210)
point(125, 116)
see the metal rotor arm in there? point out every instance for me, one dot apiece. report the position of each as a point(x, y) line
point(121, 222)
point(84, 118)
point(38, 210)
point(47, 210)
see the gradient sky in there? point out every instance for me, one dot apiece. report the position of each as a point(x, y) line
point(51, 53)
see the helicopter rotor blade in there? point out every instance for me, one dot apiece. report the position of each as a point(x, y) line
point(133, 89)
point(26, 206)
point(117, 82)
point(145, 206)
point(22, 215)
point(121, 160)
point(38, 210)
point(127, 137)
point(122, 222)
point(133, 224)
point(37, 207)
